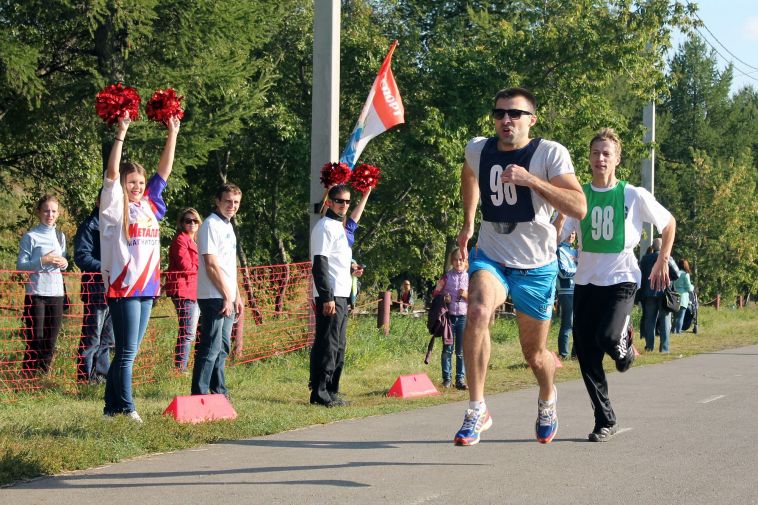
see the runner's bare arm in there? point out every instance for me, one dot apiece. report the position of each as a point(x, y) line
point(470, 195)
point(563, 191)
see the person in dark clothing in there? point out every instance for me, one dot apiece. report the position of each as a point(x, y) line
point(653, 314)
point(331, 255)
point(97, 340)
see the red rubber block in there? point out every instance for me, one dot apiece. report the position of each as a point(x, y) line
point(200, 408)
point(413, 386)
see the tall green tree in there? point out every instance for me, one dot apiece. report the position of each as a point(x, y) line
point(209, 51)
point(706, 173)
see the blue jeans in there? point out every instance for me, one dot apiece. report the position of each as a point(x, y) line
point(212, 348)
point(566, 303)
point(130, 317)
point(97, 339)
point(678, 320)
point(458, 323)
point(654, 317)
point(188, 313)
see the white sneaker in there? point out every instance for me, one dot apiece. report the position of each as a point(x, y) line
point(134, 416)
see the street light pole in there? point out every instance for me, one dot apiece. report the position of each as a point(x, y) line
point(648, 170)
point(325, 103)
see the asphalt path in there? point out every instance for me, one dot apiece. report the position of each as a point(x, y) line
point(687, 436)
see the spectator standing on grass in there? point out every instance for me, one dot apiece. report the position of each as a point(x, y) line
point(42, 252)
point(131, 207)
point(654, 315)
point(218, 294)
point(567, 259)
point(683, 286)
point(331, 256)
point(93, 360)
point(454, 286)
point(181, 283)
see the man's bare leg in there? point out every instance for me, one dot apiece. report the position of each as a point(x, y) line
point(533, 338)
point(486, 293)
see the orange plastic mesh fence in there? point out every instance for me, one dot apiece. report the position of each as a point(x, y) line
point(35, 357)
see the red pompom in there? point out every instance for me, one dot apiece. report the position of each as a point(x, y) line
point(364, 177)
point(163, 105)
point(114, 101)
point(334, 173)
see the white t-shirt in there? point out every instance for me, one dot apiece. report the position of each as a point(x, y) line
point(131, 267)
point(216, 237)
point(328, 239)
point(607, 269)
point(531, 244)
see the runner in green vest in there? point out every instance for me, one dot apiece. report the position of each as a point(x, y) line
point(607, 274)
point(603, 226)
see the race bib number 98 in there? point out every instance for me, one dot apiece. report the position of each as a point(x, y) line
point(501, 191)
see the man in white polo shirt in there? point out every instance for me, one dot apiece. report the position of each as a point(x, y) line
point(217, 292)
point(332, 283)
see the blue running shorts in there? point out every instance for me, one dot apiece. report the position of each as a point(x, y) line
point(532, 290)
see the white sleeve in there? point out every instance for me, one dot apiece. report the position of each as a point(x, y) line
point(651, 211)
point(473, 153)
point(112, 202)
point(207, 242)
point(570, 225)
point(557, 160)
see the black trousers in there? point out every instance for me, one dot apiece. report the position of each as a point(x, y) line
point(43, 316)
point(328, 352)
point(601, 318)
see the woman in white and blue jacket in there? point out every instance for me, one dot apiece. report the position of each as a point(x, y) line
point(42, 252)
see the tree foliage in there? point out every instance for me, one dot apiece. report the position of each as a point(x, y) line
point(245, 69)
point(707, 174)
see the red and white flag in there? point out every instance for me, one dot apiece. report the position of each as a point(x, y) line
point(383, 110)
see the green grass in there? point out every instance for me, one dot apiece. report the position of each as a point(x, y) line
point(63, 430)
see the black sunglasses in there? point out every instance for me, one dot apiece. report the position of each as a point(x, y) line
point(190, 221)
point(512, 113)
point(340, 201)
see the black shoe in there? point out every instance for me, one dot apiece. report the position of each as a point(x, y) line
point(461, 385)
point(624, 364)
point(603, 434)
point(338, 401)
point(446, 383)
point(328, 404)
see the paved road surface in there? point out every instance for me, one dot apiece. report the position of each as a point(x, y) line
point(688, 436)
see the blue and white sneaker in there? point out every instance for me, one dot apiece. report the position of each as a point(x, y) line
point(474, 423)
point(547, 419)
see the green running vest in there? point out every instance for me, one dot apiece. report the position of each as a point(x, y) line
point(603, 226)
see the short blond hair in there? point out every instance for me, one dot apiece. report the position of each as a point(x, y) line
point(610, 135)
